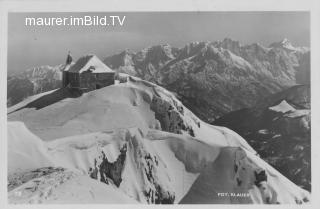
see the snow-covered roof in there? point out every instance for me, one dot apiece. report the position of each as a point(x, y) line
point(89, 62)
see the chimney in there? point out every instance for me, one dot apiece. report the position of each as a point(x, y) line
point(69, 59)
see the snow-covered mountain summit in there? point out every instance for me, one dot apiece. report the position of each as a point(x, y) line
point(133, 142)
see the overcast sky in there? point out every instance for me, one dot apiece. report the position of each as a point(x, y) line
point(34, 46)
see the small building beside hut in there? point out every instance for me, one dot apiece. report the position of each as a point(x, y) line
point(87, 74)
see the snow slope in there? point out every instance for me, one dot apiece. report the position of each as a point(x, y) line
point(282, 107)
point(138, 139)
point(62, 186)
point(25, 150)
point(35, 174)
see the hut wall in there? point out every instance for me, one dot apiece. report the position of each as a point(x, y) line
point(73, 79)
point(91, 81)
point(65, 80)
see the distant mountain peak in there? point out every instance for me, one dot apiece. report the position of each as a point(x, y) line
point(162, 52)
point(230, 40)
point(284, 43)
point(127, 51)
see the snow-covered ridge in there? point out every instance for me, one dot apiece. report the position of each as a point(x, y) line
point(158, 167)
point(136, 138)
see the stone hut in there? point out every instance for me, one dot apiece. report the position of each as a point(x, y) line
point(87, 74)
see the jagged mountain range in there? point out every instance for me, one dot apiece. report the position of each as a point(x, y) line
point(213, 78)
point(33, 81)
point(210, 78)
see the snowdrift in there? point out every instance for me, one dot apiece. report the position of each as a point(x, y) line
point(137, 139)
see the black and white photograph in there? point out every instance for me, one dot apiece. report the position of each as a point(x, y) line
point(158, 107)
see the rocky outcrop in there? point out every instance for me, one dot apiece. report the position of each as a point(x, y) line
point(154, 187)
point(146, 165)
point(170, 115)
point(108, 170)
point(155, 194)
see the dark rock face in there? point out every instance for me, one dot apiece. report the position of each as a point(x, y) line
point(154, 188)
point(283, 139)
point(170, 116)
point(159, 196)
point(108, 170)
point(260, 177)
point(156, 195)
point(214, 78)
point(303, 69)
